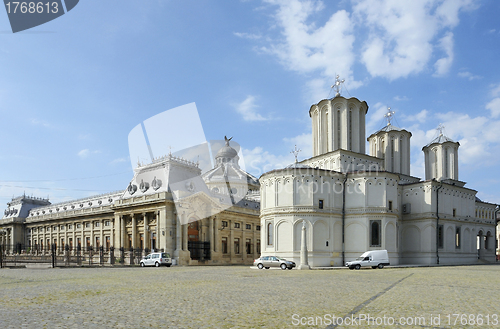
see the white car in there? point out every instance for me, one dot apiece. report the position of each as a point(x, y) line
point(157, 259)
point(373, 258)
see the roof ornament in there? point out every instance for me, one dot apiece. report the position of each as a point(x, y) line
point(296, 153)
point(227, 140)
point(389, 115)
point(337, 84)
point(440, 128)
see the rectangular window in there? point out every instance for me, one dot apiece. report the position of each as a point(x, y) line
point(224, 245)
point(97, 242)
point(457, 237)
point(70, 227)
point(454, 212)
point(78, 225)
point(96, 224)
point(87, 224)
point(236, 225)
point(258, 246)
point(237, 246)
point(61, 227)
point(257, 228)
point(87, 240)
point(106, 223)
point(375, 236)
point(390, 205)
point(224, 223)
point(320, 204)
point(440, 236)
point(248, 226)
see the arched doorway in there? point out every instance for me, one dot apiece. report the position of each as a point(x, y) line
point(480, 244)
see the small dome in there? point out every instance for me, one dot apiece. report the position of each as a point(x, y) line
point(226, 152)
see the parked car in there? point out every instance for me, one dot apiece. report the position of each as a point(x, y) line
point(157, 259)
point(273, 261)
point(373, 258)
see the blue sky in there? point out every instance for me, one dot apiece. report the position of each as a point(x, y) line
point(72, 89)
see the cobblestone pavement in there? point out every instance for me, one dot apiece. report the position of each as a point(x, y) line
point(243, 297)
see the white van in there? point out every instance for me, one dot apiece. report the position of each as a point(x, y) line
point(373, 258)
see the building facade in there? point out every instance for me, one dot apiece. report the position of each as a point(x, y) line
point(208, 224)
point(352, 202)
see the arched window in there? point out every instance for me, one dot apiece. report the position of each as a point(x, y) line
point(435, 164)
point(327, 133)
point(270, 234)
point(375, 233)
point(339, 145)
point(446, 163)
point(350, 129)
point(400, 149)
point(392, 155)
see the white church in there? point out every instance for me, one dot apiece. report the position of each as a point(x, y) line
point(352, 202)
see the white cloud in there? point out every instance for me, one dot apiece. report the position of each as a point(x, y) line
point(119, 160)
point(401, 98)
point(468, 75)
point(37, 122)
point(402, 34)
point(259, 161)
point(477, 136)
point(494, 107)
point(244, 35)
point(84, 136)
point(443, 65)
point(495, 90)
point(376, 119)
point(84, 153)
point(326, 50)
point(419, 117)
point(303, 142)
point(247, 109)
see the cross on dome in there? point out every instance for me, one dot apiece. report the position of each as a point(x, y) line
point(296, 153)
point(389, 115)
point(337, 84)
point(440, 128)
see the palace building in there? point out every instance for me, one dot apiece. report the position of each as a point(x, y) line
point(352, 202)
point(210, 225)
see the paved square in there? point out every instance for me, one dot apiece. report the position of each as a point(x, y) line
point(243, 297)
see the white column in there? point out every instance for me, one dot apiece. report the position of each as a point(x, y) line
point(147, 233)
point(304, 264)
point(134, 231)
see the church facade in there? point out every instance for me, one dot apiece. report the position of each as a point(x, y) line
point(169, 205)
point(352, 202)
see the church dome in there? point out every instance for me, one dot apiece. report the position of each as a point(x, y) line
point(226, 152)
